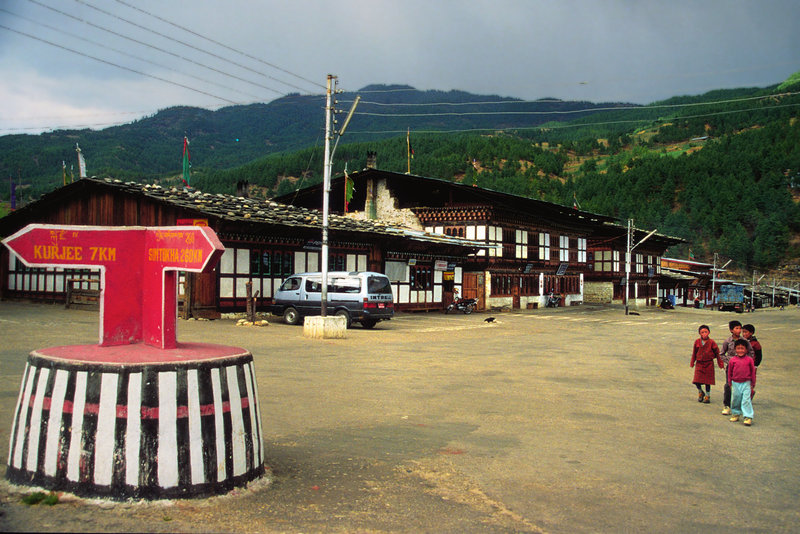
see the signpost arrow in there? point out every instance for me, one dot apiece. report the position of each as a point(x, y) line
point(138, 271)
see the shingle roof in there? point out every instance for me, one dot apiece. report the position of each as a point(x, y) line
point(249, 210)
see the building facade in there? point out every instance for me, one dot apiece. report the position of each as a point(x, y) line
point(532, 248)
point(264, 241)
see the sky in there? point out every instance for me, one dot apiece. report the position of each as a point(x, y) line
point(97, 63)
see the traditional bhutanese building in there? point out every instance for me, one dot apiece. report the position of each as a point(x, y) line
point(533, 247)
point(265, 241)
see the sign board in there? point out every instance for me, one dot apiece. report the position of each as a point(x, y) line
point(412, 261)
point(528, 268)
point(562, 269)
point(440, 265)
point(192, 222)
point(138, 271)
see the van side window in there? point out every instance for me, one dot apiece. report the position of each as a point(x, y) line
point(313, 286)
point(291, 284)
point(345, 285)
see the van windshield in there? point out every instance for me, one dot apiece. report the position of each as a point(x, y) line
point(290, 284)
point(379, 285)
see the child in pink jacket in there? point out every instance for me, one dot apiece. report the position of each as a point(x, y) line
point(741, 377)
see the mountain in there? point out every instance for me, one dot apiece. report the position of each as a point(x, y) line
point(721, 170)
point(152, 146)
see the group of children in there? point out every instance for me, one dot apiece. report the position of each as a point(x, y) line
point(740, 357)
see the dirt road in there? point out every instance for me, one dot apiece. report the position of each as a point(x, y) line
point(570, 420)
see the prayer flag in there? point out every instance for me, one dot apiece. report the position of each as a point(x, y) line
point(187, 162)
point(81, 162)
point(348, 189)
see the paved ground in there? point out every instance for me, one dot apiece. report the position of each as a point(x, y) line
point(569, 420)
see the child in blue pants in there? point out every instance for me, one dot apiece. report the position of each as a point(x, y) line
point(741, 377)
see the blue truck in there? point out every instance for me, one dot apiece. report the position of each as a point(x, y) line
point(731, 298)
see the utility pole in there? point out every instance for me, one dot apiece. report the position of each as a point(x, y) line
point(326, 178)
point(628, 254)
point(326, 183)
point(714, 280)
point(628, 265)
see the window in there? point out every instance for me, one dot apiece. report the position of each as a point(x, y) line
point(521, 239)
point(640, 263)
point(378, 285)
point(581, 250)
point(606, 261)
point(397, 271)
point(563, 248)
point(495, 237)
point(344, 285)
point(455, 231)
point(337, 262)
point(544, 246)
point(421, 277)
point(290, 284)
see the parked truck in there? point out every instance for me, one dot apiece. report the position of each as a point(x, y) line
point(731, 298)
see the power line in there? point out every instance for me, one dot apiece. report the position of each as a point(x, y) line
point(566, 112)
point(165, 36)
point(223, 45)
point(103, 45)
point(565, 126)
point(154, 47)
point(70, 127)
point(116, 65)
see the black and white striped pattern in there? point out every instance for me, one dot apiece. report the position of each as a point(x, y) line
point(144, 431)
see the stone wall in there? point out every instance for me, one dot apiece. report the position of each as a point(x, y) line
point(598, 292)
point(386, 209)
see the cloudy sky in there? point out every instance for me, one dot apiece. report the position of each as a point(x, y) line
point(95, 63)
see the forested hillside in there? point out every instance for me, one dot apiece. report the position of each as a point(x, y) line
point(725, 177)
point(721, 170)
point(152, 147)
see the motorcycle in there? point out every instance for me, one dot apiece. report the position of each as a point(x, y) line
point(462, 305)
point(552, 301)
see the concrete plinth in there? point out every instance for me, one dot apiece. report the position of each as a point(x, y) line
point(136, 421)
point(318, 327)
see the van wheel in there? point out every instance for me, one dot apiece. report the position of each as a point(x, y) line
point(369, 323)
point(343, 313)
point(290, 316)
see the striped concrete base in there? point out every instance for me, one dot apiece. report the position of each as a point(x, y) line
point(135, 421)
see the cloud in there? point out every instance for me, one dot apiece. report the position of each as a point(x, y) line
point(616, 50)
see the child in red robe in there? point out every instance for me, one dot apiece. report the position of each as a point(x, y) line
point(704, 352)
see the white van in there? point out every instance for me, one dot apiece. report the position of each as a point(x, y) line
point(362, 297)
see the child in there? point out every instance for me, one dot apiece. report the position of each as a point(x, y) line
point(748, 333)
point(741, 376)
point(728, 352)
point(704, 352)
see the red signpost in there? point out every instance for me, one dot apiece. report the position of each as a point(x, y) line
point(139, 415)
point(138, 271)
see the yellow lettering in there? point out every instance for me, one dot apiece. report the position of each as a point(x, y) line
point(54, 252)
point(104, 253)
point(175, 255)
